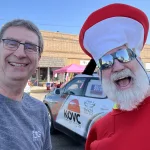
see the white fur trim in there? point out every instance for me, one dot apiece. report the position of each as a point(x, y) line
point(111, 33)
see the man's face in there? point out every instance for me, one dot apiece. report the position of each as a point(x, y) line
point(18, 65)
point(125, 83)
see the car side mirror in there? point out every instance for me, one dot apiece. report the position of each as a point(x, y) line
point(57, 91)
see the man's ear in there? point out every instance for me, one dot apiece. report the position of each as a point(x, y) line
point(39, 58)
point(139, 58)
point(37, 64)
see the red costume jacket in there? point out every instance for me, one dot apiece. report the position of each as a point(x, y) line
point(122, 130)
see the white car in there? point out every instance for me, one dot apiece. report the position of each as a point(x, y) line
point(27, 88)
point(75, 107)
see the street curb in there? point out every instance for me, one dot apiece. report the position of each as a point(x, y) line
point(39, 91)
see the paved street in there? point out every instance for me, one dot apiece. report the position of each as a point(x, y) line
point(39, 96)
point(60, 141)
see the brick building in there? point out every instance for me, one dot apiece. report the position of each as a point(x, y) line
point(62, 49)
point(59, 50)
point(145, 56)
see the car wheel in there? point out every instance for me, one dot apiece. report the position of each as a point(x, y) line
point(52, 129)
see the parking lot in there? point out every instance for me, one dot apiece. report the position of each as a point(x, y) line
point(60, 141)
point(39, 96)
point(63, 142)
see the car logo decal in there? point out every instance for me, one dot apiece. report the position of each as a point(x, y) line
point(88, 109)
point(72, 113)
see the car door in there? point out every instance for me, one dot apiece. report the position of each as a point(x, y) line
point(94, 104)
point(70, 113)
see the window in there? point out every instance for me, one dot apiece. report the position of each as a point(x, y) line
point(94, 89)
point(75, 87)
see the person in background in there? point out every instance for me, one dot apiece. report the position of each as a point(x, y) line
point(59, 85)
point(24, 123)
point(114, 37)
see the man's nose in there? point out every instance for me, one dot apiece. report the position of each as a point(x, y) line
point(118, 66)
point(20, 52)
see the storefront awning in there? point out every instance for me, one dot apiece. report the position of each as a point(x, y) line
point(51, 62)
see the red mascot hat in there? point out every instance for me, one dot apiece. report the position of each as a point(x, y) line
point(113, 26)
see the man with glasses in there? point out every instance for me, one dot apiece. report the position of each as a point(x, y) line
point(24, 123)
point(114, 37)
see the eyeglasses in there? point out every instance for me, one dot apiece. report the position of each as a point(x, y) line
point(13, 45)
point(123, 56)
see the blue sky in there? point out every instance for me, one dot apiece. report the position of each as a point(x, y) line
point(66, 16)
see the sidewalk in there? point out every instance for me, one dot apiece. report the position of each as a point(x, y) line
point(38, 89)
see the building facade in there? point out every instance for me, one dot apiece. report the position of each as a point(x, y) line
point(59, 50)
point(145, 56)
point(62, 49)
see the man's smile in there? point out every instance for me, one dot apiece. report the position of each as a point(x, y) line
point(124, 82)
point(18, 64)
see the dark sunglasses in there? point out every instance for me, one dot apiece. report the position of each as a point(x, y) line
point(123, 56)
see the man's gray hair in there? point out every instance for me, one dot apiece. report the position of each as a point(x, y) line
point(26, 24)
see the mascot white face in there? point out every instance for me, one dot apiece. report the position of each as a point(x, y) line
point(136, 87)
